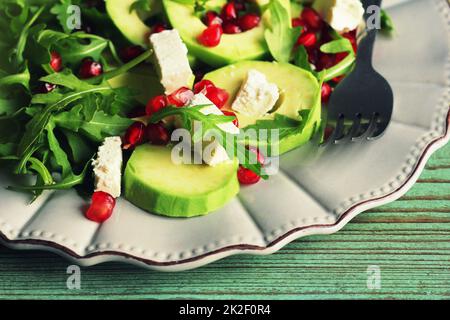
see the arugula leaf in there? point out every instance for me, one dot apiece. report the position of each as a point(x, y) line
point(211, 122)
point(7, 149)
point(340, 45)
point(60, 10)
point(281, 37)
point(387, 25)
point(301, 59)
point(58, 153)
point(97, 127)
point(80, 150)
point(22, 78)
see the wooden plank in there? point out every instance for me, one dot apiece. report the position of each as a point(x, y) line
point(409, 240)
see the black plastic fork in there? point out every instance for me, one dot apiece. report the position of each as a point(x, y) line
point(361, 105)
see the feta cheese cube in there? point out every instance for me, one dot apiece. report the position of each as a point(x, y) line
point(256, 96)
point(108, 167)
point(171, 61)
point(213, 152)
point(341, 15)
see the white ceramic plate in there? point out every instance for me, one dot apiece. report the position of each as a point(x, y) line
point(313, 194)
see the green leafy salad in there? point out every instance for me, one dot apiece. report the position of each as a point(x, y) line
point(172, 104)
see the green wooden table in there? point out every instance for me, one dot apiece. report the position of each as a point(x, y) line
point(408, 241)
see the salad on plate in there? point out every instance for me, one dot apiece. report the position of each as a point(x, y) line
point(172, 104)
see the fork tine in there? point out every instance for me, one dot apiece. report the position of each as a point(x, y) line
point(337, 132)
point(352, 131)
point(369, 129)
point(381, 125)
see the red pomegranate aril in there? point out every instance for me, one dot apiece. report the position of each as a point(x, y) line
point(231, 113)
point(210, 37)
point(212, 18)
point(101, 208)
point(180, 97)
point(351, 35)
point(327, 132)
point(249, 21)
point(230, 27)
point(229, 11)
point(134, 136)
point(55, 61)
point(90, 68)
point(46, 87)
point(159, 27)
point(155, 104)
point(247, 176)
point(308, 39)
point(203, 86)
point(325, 61)
point(129, 53)
point(312, 18)
point(338, 79)
point(157, 134)
point(325, 92)
point(217, 96)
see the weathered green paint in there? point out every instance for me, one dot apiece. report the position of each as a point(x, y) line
point(408, 239)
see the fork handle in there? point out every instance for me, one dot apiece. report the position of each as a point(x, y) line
point(365, 48)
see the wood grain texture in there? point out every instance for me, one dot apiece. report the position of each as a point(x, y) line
point(408, 239)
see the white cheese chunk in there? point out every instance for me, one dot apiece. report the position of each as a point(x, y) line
point(171, 61)
point(213, 152)
point(108, 167)
point(341, 15)
point(256, 96)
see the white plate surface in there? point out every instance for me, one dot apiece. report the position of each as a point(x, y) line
point(315, 193)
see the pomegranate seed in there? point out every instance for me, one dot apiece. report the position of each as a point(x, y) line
point(325, 61)
point(351, 35)
point(231, 113)
point(299, 22)
point(340, 56)
point(229, 11)
point(157, 134)
point(155, 104)
point(325, 92)
point(46, 87)
point(136, 112)
point(90, 68)
point(217, 96)
point(180, 97)
point(308, 39)
point(203, 86)
point(55, 61)
point(312, 18)
point(134, 135)
point(210, 37)
point(338, 79)
point(101, 208)
point(313, 55)
point(230, 27)
point(212, 18)
point(129, 53)
point(247, 176)
point(249, 21)
point(159, 27)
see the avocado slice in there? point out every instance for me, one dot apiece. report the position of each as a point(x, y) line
point(131, 23)
point(299, 90)
point(248, 45)
point(153, 182)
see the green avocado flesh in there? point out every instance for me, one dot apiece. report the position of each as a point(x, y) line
point(247, 45)
point(129, 23)
point(299, 90)
point(153, 182)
